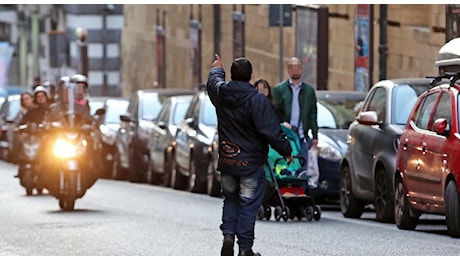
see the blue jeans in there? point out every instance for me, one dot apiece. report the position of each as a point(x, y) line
point(243, 196)
point(304, 147)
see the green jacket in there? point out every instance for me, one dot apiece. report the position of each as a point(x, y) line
point(282, 96)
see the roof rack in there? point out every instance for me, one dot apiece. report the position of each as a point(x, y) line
point(451, 76)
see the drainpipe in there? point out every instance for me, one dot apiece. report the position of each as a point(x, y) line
point(383, 48)
point(216, 30)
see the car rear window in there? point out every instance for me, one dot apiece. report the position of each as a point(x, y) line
point(403, 100)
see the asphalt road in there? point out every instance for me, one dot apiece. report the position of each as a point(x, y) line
point(118, 218)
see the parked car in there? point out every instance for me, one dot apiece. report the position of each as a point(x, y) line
point(8, 111)
point(162, 139)
point(95, 103)
point(336, 111)
point(143, 109)
point(195, 148)
point(108, 125)
point(368, 166)
point(427, 177)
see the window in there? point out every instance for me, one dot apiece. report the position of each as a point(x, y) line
point(378, 102)
point(422, 116)
point(443, 110)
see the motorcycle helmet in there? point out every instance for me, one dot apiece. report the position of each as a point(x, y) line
point(39, 89)
point(79, 78)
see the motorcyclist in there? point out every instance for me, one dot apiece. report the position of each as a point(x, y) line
point(80, 104)
point(37, 113)
point(68, 88)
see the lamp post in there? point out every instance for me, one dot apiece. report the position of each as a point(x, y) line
point(81, 35)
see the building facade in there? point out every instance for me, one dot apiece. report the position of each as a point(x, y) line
point(414, 34)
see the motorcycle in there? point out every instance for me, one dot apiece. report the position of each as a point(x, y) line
point(70, 173)
point(28, 172)
point(69, 150)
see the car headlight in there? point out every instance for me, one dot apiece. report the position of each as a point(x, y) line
point(328, 151)
point(108, 134)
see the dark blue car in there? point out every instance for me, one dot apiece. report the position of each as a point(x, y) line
point(336, 110)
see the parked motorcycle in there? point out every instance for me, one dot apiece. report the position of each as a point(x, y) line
point(28, 171)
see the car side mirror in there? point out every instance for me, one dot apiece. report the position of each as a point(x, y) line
point(368, 118)
point(125, 118)
point(100, 111)
point(161, 124)
point(190, 122)
point(441, 127)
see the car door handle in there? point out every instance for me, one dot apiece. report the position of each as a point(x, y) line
point(423, 147)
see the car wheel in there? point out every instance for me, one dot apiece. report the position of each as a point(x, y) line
point(403, 219)
point(154, 177)
point(349, 205)
point(194, 183)
point(118, 173)
point(452, 210)
point(213, 185)
point(384, 205)
point(178, 180)
point(165, 179)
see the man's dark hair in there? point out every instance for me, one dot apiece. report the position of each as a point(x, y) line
point(241, 70)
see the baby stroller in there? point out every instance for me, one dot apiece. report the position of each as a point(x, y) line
point(287, 188)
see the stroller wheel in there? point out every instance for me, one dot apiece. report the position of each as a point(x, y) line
point(261, 213)
point(317, 213)
point(268, 212)
point(309, 212)
point(286, 213)
point(278, 213)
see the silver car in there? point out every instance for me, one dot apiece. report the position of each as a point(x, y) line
point(373, 138)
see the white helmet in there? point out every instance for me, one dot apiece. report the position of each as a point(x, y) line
point(79, 78)
point(42, 89)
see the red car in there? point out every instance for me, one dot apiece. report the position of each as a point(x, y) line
point(427, 178)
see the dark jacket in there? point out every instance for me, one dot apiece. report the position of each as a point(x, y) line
point(247, 124)
point(34, 115)
point(282, 95)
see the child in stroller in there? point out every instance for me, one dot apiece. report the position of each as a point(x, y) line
point(287, 188)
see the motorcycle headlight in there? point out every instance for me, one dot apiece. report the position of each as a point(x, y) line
point(64, 149)
point(327, 151)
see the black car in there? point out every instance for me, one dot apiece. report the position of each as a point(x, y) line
point(8, 111)
point(108, 125)
point(143, 109)
point(162, 139)
point(195, 149)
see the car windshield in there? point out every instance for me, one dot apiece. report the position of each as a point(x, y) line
point(14, 108)
point(179, 112)
point(95, 105)
point(209, 113)
point(114, 110)
point(336, 113)
point(151, 106)
point(403, 100)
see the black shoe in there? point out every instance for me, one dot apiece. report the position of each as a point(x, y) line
point(227, 247)
point(248, 252)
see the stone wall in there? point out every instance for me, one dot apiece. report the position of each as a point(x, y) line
point(415, 34)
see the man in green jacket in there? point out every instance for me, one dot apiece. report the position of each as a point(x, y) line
point(295, 102)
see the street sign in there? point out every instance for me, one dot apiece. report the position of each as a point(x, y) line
point(274, 15)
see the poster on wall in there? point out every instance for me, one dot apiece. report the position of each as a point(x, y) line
point(362, 48)
point(238, 34)
point(6, 53)
point(307, 42)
